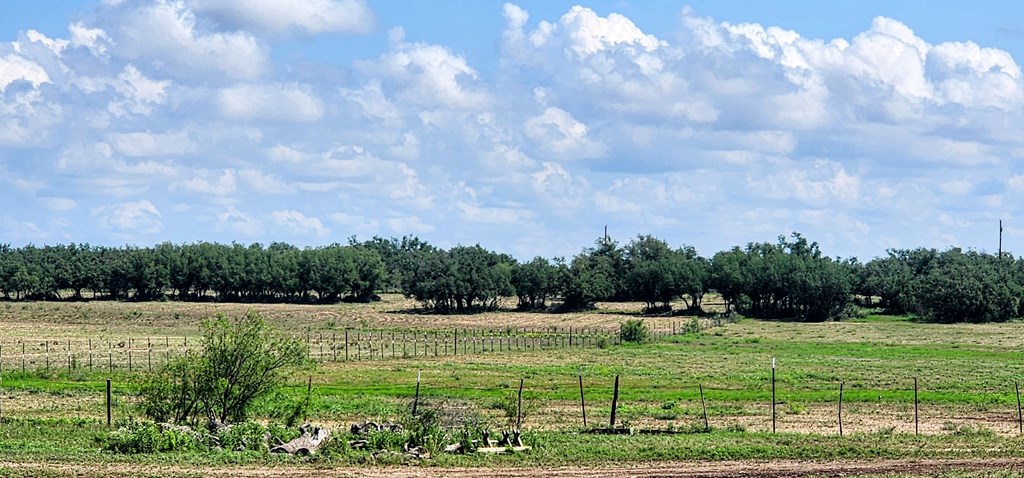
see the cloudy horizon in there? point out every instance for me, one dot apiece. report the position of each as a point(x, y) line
point(525, 127)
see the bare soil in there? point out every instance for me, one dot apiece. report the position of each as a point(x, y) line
point(777, 469)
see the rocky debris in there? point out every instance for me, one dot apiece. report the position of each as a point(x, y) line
point(372, 427)
point(308, 443)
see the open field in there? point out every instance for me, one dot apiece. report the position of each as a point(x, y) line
point(965, 374)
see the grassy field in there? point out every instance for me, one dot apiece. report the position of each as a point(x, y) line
point(965, 375)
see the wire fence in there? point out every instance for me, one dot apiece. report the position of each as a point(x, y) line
point(138, 354)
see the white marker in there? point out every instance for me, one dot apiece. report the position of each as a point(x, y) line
point(773, 362)
point(418, 372)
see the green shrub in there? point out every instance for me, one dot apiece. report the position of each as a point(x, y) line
point(241, 361)
point(139, 437)
point(248, 436)
point(634, 331)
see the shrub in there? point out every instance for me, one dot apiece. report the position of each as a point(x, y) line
point(248, 436)
point(138, 437)
point(241, 361)
point(634, 331)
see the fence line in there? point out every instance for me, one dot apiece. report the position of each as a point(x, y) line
point(133, 353)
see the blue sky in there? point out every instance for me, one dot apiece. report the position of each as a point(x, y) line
point(523, 126)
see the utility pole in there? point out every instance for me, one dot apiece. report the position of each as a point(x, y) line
point(1000, 238)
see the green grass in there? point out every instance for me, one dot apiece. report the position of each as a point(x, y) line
point(965, 377)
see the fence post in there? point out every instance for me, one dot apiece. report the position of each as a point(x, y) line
point(704, 407)
point(916, 430)
point(346, 345)
point(615, 401)
point(583, 403)
point(841, 384)
point(1020, 418)
point(455, 344)
point(108, 404)
point(519, 407)
point(416, 399)
point(773, 394)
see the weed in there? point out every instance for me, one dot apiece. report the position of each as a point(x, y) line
point(634, 331)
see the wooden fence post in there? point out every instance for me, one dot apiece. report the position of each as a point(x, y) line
point(916, 430)
point(109, 414)
point(773, 394)
point(583, 403)
point(519, 407)
point(1020, 418)
point(841, 384)
point(615, 402)
point(416, 399)
point(704, 407)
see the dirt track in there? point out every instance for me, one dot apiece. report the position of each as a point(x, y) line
point(778, 469)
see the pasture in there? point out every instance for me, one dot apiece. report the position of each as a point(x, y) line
point(966, 404)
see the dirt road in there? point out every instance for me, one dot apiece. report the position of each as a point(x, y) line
point(776, 469)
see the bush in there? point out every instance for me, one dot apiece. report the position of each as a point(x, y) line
point(241, 361)
point(634, 331)
point(138, 437)
point(248, 436)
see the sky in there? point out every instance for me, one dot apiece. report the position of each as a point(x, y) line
point(526, 127)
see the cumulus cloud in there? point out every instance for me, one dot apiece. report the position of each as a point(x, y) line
point(428, 75)
point(240, 222)
point(558, 133)
point(213, 183)
point(309, 17)
point(138, 94)
point(298, 224)
point(15, 67)
point(137, 217)
point(710, 131)
point(166, 35)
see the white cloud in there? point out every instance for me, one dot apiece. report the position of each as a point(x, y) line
point(94, 39)
point(212, 183)
point(281, 102)
point(588, 33)
point(284, 154)
point(373, 104)
point(15, 67)
point(558, 133)
point(138, 217)
point(165, 33)
point(298, 224)
point(145, 144)
point(244, 223)
point(408, 225)
point(428, 75)
point(139, 94)
point(308, 16)
point(494, 215)
point(261, 183)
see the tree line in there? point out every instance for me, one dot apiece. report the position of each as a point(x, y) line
point(789, 279)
